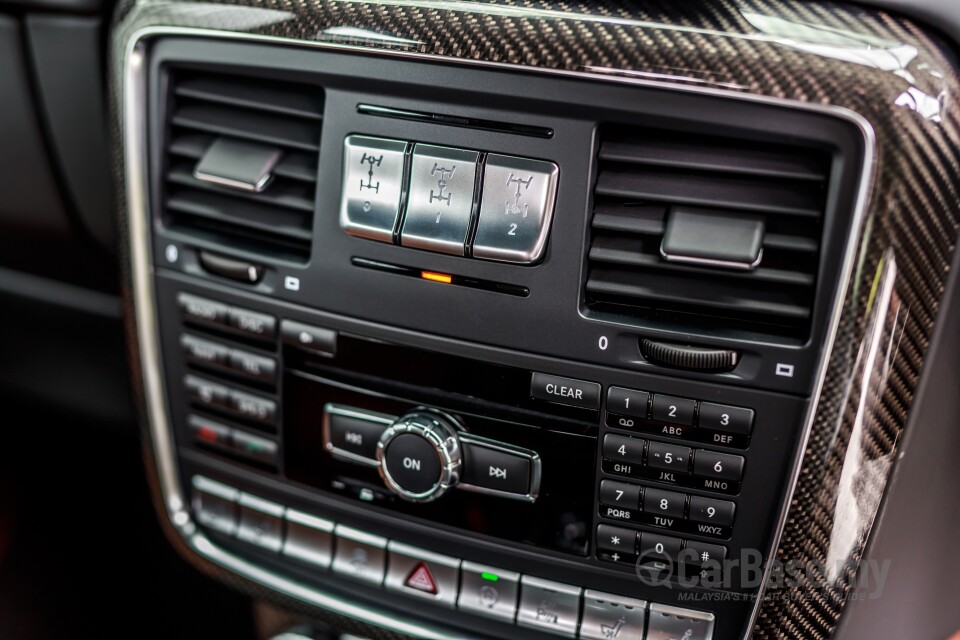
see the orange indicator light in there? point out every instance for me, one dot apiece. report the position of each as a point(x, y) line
point(436, 277)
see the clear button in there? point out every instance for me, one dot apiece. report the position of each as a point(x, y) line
point(515, 209)
point(441, 198)
point(372, 184)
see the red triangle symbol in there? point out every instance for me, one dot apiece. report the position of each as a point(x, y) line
point(421, 579)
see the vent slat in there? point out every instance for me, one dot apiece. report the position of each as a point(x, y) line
point(290, 195)
point(688, 154)
point(603, 250)
point(259, 95)
point(709, 190)
point(294, 164)
point(716, 296)
point(264, 127)
point(644, 174)
point(790, 242)
point(281, 222)
point(647, 219)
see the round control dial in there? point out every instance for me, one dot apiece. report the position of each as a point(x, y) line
point(419, 456)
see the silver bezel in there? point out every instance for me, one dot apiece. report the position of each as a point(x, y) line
point(444, 441)
point(136, 165)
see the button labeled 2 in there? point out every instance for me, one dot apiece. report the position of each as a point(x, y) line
point(515, 209)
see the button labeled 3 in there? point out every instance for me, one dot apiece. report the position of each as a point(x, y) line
point(441, 198)
point(515, 209)
point(372, 184)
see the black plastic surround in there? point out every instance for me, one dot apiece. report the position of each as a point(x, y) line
point(262, 363)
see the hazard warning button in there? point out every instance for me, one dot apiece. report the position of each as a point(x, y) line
point(421, 579)
point(422, 573)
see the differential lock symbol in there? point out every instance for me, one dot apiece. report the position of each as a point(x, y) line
point(372, 161)
point(441, 182)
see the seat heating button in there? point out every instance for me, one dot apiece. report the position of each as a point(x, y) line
point(423, 574)
point(261, 522)
point(489, 591)
point(607, 616)
point(215, 505)
point(549, 606)
point(360, 555)
point(309, 539)
point(674, 623)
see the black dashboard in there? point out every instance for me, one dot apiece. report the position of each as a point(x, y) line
point(495, 320)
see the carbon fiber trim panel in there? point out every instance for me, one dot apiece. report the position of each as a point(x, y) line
point(889, 70)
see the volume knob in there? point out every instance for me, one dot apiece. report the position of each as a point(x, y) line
point(419, 456)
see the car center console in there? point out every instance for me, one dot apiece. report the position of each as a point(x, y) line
point(480, 352)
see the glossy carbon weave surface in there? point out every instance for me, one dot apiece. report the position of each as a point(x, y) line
point(887, 69)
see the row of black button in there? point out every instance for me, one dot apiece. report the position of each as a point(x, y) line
point(672, 464)
point(236, 361)
point(660, 552)
point(683, 418)
point(666, 509)
point(220, 397)
point(663, 408)
point(216, 435)
point(351, 434)
point(253, 324)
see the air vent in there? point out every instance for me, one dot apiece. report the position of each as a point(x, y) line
point(646, 178)
point(279, 120)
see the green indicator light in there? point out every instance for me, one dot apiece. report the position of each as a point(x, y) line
point(489, 576)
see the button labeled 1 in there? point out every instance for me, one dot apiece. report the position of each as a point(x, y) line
point(515, 209)
point(372, 183)
point(440, 200)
